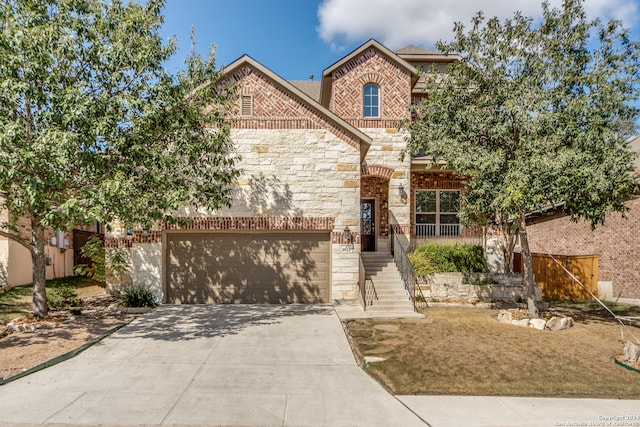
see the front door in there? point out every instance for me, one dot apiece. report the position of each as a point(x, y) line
point(368, 225)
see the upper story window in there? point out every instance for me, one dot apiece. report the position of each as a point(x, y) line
point(371, 100)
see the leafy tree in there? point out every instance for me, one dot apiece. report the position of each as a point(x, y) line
point(535, 116)
point(93, 128)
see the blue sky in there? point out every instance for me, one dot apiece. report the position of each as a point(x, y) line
point(296, 38)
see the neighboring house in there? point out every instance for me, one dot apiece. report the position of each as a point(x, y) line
point(322, 180)
point(616, 244)
point(62, 253)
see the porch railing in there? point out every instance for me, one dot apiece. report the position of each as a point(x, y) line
point(437, 230)
point(403, 263)
point(445, 234)
point(366, 286)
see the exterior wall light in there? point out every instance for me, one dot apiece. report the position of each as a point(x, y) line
point(347, 234)
point(403, 194)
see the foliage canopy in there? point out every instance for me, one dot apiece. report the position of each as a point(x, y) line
point(535, 116)
point(92, 127)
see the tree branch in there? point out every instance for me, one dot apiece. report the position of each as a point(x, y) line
point(17, 238)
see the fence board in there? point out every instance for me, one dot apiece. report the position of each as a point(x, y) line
point(556, 283)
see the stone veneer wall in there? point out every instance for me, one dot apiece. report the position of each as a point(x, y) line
point(616, 243)
point(454, 287)
point(290, 180)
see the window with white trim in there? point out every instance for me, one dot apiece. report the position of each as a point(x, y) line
point(437, 212)
point(371, 100)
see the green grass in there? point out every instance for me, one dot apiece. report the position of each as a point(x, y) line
point(17, 302)
point(466, 351)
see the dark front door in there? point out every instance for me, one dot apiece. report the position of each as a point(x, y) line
point(368, 225)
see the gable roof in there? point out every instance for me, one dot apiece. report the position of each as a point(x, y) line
point(364, 140)
point(309, 87)
point(325, 91)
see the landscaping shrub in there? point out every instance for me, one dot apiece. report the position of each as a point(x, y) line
point(137, 296)
point(435, 258)
point(103, 263)
point(63, 296)
point(421, 264)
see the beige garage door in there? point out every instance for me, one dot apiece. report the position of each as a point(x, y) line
point(212, 268)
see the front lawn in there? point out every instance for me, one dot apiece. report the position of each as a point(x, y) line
point(17, 301)
point(466, 351)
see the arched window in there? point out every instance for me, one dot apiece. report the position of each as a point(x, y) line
point(371, 100)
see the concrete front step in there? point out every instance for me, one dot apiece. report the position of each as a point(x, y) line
point(390, 308)
point(385, 277)
point(393, 299)
point(389, 304)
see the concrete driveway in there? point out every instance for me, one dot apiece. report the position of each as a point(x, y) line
point(220, 365)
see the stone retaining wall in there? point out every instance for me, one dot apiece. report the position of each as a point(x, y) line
point(460, 287)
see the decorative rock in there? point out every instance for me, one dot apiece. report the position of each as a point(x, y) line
point(504, 316)
point(631, 352)
point(21, 327)
point(566, 322)
point(554, 324)
point(373, 359)
point(538, 324)
point(522, 322)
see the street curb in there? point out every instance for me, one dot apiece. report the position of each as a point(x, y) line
point(62, 357)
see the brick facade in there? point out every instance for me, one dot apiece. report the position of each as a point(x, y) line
point(616, 243)
point(371, 67)
point(274, 107)
point(213, 224)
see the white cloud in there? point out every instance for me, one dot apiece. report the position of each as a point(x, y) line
point(397, 23)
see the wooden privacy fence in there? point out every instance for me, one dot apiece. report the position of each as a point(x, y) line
point(556, 283)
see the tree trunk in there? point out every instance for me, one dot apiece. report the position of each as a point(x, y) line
point(532, 305)
point(508, 242)
point(40, 308)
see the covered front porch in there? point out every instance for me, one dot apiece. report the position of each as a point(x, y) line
point(424, 210)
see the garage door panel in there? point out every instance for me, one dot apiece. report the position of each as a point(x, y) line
point(245, 268)
point(205, 269)
point(288, 269)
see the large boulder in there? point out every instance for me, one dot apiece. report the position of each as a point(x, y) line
point(504, 316)
point(566, 322)
point(554, 324)
point(559, 323)
point(538, 324)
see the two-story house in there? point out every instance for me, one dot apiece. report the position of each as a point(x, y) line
point(323, 181)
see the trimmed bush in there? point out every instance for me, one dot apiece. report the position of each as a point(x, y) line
point(63, 296)
point(435, 258)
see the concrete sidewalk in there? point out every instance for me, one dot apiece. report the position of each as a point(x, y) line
point(472, 411)
point(229, 365)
